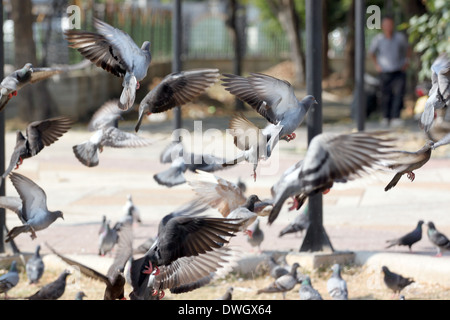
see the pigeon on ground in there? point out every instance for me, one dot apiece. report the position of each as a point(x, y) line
point(114, 51)
point(53, 290)
point(439, 94)
point(272, 98)
point(277, 270)
point(228, 295)
point(35, 267)
point(284, 283)
point(255, 235)
point(80, 295)
point(131, 212)
point(39, 134)
point(438, 239)
point(108, 238)
point(406, 162)
point(114, 278)
point(31, 207)
point(408, 239)
point(176, 89)
point(307, 292)
point(301, 222)
point(394, 281)
point(330, 158)
point(103, 225)
point(336, 286)
point(188, 248)
point(10, 279)
point(104, 124)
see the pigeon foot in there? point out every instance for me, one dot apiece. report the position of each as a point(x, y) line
point(411, 176)
point(294, 204)
point(18, 163)
point(290, 137)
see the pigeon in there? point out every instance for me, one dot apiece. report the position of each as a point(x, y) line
point(245, 214)
point(277, 270)
point(307, 292)
point(330, 158)
point(176, 89)
point(35, 267)
point(255, 235)
point(108, 238)
point(394, 281)
point(53, 290)
point(188, 248)
point(28, 74)
point(114, 51)
point(272, 98)
point(438, 239)
point(80, 295)
point(228, 295)
point(10, 279)
point(131, 212)
point(408, 239)
point(442, 142)
point(336, 286)
point(114, 278)
point(407, 162)
point(104, 124)
point(103, 225)
point(284, 283)
point(439, 94)
point(301, 222)
point(39, 134)
point(31, 207)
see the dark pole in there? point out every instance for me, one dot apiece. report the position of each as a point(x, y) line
point(2, 138)
point(316, 238)
point(360, 59)
point(176, 47)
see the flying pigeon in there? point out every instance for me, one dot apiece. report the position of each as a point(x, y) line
point(114, 51)
point(104, 124)
point(176, 89)
point(255, 235)
point(35, 266)
point(330, 158)
point(284, 283)
point(39, 134)
point(301, 222)
point(10, 279)
point(408, 239)
point(108, 238)
point(407, 162)
point(438, 239)
point(53, 290)
point(31, 207)
point(307, 291)
point(394, 281)
point(114, 278)
point(336, 286)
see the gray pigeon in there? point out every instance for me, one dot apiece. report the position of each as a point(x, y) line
point(39, 134)
point(10, 279)
point(80, 295)
point(131, 212)
point(438, 239)
point(245, 213)
point(301, 222)
point(104, 123)
point(394, 281)
point(35, 267)
point(31, 208)
point(53, 290)
point(439, 94)
point(108, 238)
point(176, 89)
point(336, 286)
point(307, 292)
point(284, 283)
point(228, 295)
point(255, 235)
point(114, 51)
point(406, 162)
point(408, 239)
point(330, 158)
point(277, 270)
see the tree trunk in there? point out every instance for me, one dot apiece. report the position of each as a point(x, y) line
point(349, 72)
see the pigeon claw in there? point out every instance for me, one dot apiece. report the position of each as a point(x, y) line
point(18, 163)
point(326, 191)
point(148, 269)
point(294, 204)
point(249, 233)
point(253, 175)
point(411, 176)
point(138, 85)
point(290, 137)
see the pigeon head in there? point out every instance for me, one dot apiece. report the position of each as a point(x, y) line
point(250, 204)
point(384, 269)
point(144, 109)
point(431, 225)
point(58, 214)
point(13, 267)
point(146, 46)
point(309, 100)
point(25, 71)
point(19, 136)
point(336, 268)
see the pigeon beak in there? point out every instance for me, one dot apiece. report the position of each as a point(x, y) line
point(138, 125)
point(315, 102)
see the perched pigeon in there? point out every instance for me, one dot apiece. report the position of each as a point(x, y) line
point(336, 286)
point(188, 248)
point(31, 208)
point(408, 239)
point(114, 278)
point(439, 240)
point(282, 284)
point(228, 295)
point(301, 222)
point(307, 292)
point(53, 290)
point(104, 123)
point(114, 51)
point(10, 279)
point(395, 281)
point(39, 134)
point(131, 212)
point(35, 266)
point(176, 89)
point(80, 295)
point(272, 98)
point(406, 162)
point(255, 235)
point(330, 158)
point(108, 238)
point(439, 94)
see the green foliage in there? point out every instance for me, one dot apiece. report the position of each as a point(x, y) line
point(430, 34)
